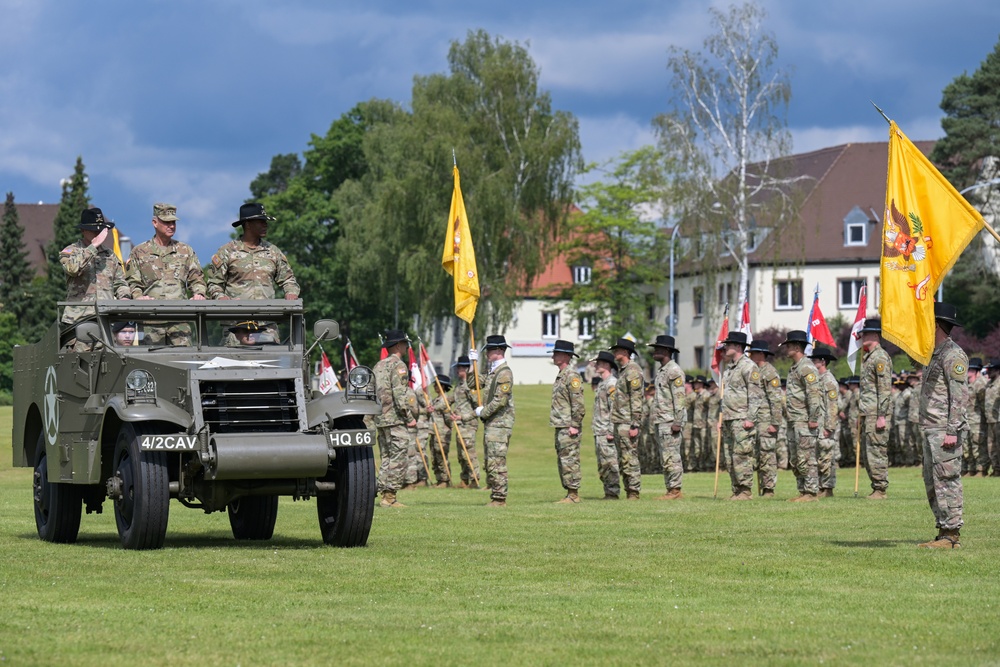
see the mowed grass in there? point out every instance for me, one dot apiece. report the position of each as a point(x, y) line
point(450, 581)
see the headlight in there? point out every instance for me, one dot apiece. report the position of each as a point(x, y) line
point(140, 387)
point(359, 377)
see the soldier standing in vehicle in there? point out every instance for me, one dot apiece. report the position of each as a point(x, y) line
point(93, 272)
point(626, 416)
point(876, 407)
point(497, 414)
point(770, 418)
point(944, 396)
point(398, 422)
point(464, 409)
point(250, 267)
point(668, 415)
point(806, 413)
point(163, 268)
point(604, 436)
point(566, 417)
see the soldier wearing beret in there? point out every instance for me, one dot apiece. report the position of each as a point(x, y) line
point(806, 414)
point(566, 417)
point(604, 437)
point(250, 267)
point(626, 415)
point(770, 418)
point(742, 398)
point(93, 272)
point(497, 414)
point(668, 415)
point(944, 397)
point(398, 422)
point(876, 407)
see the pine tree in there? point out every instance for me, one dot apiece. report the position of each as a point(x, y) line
point(14, 268)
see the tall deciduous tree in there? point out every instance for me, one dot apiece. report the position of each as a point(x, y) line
point(616, 249)
point(727, 126)
point(15, 272)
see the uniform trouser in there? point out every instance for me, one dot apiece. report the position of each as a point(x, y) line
point(943, 478)
point(874, 444)
point(895, 449)
point(791, 442)
point(710, 446)
point(970, 448)
point(393, 444)
point(767, 460)
point(916, 440)
point(738, 445)
point(806, 445)
point(826, 460)
point(607, 463)
point(695, 444)
point(690, 451)
point(781, 449)
point(993, 451)
point(628, 457)
point(470, 471)
point(907, 455)
point(442, 469)
point(568, 458)
point(495, 442)
point(670, 444)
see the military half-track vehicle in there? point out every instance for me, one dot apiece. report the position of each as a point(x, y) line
point(204, 402)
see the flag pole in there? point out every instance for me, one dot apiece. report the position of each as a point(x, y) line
point(437, 435)
point(472, 344)
point(461, 440)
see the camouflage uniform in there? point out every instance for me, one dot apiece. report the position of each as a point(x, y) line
point(741, 401)
point(626, 414)
point(567, 412)
point(806, 404)
point(423, 442)
point(241, 272)
point(442, 468)
point(876, 382)
point(915, 441)
point(92, 273)
point(943, 400)
point(669, 409)
point(991, 407)
point(607, 456)
point(689, 451)
point(468, 425)
point(648, 451)
point(846, 426)
point(710, 442)
point(498, 421)
point(782, 453)
point(698, 414)
point(770, 415)
point(975, 456)
point(399, 407)
point(165, 272)
point(900, 421)
point(826, 456)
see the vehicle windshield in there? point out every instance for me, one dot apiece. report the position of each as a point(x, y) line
point(154, 333)
point(227, 331)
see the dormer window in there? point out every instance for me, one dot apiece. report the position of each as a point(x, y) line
point(581, 275)
point(856, 228)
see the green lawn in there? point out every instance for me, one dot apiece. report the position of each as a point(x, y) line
point(450, 581)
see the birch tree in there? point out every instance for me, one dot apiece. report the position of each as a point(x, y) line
point(727, 126)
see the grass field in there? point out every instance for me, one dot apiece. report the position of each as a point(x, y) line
point(450, 581)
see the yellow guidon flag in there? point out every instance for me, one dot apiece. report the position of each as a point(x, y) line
point(927, 225)
point(459, 257)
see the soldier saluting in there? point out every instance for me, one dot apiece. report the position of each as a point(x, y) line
point(566, 416)
point(92, 271)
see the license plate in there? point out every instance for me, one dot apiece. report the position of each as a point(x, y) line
point(172, 443)
point(359, 438)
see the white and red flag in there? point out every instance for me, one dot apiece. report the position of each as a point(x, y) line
point(350, 361)
point(327, 378)
point(854, 344)
point(720, 348)
point(745, 321)
point(816, 327)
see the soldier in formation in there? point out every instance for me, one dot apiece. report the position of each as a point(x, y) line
point(497, 415)
point(741, 402)
point(668, 414)
point(698, 458)
point(990, 459)
point(827, 447)
point(944, 428)
point(806, 413)
point(566, 417)
point(604, 437)
point(626, 416)
point(711, 442)
point(875, 406)
point(977, 417)
point(466, 422)
point(914, 443)
point(250, 267)
point(770, 416)
point(900, 417)
point(398, 421)
point(442, 419)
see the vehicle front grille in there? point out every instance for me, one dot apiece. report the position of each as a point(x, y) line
point(249, 406)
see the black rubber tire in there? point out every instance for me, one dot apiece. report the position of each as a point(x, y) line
point(345, 516)
point(253, 517)
point(142, 512)
point(58, 506)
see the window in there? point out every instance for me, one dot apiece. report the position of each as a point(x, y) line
point(725, 293)
point(586, 325)
point(581, 275)
point(677, 298)
point(439, 332)
point(856, 228)
point(550, 324)
point(878, 294)
point(788, 295)
point(699, 301)
point(849, 290)
point(699, 356)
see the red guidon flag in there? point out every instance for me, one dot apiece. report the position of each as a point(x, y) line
point(720, 348)
point(327, 378)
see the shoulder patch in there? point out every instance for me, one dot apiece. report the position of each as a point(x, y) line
point(959, 370)
point(776, 382)
point(880, 367)
point(611, 389)
point(679, 382)
point(216, 261)
point(832, 393)
point(401, 370)
point(755, 376)
point(634, 383)
point(811, 377)
point(575, 383)
point(505, 387)
point(68, 250)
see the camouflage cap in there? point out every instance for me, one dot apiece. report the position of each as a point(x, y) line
point(165, 212)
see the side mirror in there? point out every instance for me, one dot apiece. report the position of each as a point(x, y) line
point(88, 332)
point(326, 330)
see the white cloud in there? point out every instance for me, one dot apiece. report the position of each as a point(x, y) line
point(605, 137)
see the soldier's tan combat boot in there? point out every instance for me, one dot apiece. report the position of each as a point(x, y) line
point(948, 539)
point(804, 498)
point(609, 496)
point(497, 503)
point(442, 485)
point(877, 494)
point(826, 493)
point(671, 494)
point(389, 500)
point(572, 496)
point(767, 493)
point(632, 495)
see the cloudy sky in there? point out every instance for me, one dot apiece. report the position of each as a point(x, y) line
point(187, 100)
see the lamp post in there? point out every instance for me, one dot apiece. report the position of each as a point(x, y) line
point(670, 317)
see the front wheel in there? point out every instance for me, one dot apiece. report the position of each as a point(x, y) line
point(253, 517)
point(143, 502)
point(58, 506)
point(345, 516)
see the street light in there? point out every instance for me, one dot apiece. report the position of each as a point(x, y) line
point(672, 318)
